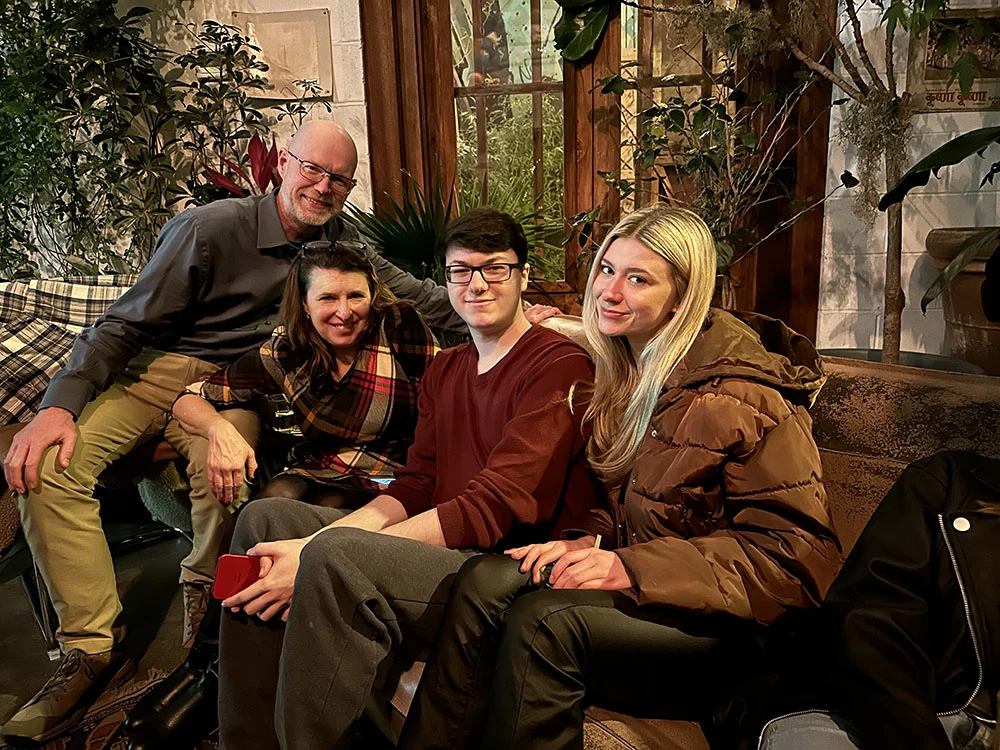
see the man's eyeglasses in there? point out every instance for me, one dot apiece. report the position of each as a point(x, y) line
point(314, 173)
point(493, 273)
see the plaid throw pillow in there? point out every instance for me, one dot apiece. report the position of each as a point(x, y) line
point(39, 320)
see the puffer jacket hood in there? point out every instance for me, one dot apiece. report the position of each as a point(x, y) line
point(752, 347)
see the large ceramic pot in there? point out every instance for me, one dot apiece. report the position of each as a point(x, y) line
point(968, 335)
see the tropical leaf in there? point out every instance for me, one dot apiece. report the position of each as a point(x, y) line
point(579, 32)
point(220, 180)
point(238, 170)
point(969, 249)
point(954, 151)
point(260, 165)
point(406, 233)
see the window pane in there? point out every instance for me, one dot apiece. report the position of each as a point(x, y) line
point(510, 143)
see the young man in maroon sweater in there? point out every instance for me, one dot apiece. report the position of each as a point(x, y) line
point(497, 460)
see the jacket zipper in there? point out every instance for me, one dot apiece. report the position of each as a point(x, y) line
point(622, 534)
point(968, 618)
point(972, 633)
point(792, 714)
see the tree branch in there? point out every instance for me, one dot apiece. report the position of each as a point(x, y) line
point(866, 60)
point(841, 50)
point(820, 69)
point(890, 68)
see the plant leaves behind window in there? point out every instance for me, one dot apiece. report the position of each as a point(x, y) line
point(220, 180)
point(970, 249)
point(848, 180)
point(954, 151)
point(965, 69)
point(578, 32)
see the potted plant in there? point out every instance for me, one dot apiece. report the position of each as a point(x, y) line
point(960, 255)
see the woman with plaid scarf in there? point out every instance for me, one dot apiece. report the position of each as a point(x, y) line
point(345, 366)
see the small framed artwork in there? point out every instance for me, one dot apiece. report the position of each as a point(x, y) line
point(296, 46)
point(951, 37)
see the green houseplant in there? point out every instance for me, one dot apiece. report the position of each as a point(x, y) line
point(102, 132)
point(959, 253)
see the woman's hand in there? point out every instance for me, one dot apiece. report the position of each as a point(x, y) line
point(591, 568)
point(228, 455)
point(271, 593)
point(534, 557)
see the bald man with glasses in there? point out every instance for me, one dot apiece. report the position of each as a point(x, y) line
point(210, 292)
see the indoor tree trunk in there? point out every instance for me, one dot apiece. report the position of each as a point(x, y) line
point(895, 300)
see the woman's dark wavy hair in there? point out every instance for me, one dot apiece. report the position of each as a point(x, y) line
point(306, 345)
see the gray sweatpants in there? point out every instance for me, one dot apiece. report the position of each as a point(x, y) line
point(362, 601)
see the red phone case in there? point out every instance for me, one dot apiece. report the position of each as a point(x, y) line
point(234, 573)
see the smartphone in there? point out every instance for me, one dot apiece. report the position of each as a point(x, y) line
point(234, 573)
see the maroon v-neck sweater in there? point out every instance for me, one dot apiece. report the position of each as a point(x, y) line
point(500, 455)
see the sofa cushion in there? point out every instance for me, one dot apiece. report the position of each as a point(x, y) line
point(39, 319)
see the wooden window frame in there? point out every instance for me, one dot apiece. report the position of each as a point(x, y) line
point(408, 65)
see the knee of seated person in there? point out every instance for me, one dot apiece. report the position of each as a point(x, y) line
point(333, 544)
point(536, 609)
point(253, 523)
point(488, 576)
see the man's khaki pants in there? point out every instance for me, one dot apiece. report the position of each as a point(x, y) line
point(61, 517)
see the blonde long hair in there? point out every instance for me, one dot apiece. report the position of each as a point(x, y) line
point(626, 391)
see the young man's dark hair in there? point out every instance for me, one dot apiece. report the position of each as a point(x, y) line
point(485, 230)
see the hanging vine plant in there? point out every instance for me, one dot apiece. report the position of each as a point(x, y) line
point(581, 27)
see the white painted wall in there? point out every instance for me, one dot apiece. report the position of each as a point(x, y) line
point(348, 101)
point(852, 271)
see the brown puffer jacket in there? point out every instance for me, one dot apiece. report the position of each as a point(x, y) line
point(725, 509)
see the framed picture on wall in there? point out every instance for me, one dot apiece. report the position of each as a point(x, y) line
point(296, 46)
point(969, 35)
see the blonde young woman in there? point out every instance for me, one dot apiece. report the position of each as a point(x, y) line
point(718, 526)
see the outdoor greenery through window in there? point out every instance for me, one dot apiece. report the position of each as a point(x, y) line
point(509, 112)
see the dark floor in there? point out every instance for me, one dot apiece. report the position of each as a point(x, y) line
point(147, 584)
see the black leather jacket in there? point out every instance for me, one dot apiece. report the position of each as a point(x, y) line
point(914, 615)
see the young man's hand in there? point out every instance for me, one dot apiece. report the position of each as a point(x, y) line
point(271, 594)
point(51, 426)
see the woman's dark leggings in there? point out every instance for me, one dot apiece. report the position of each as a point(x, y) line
point(514, 666)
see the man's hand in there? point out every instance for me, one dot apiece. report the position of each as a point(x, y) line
point(228, 455)
point(271, 593)
point(51, 426)
point(537, 313)
point(591, 568)
point(534, 557)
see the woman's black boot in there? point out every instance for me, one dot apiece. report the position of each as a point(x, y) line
point(202, 657)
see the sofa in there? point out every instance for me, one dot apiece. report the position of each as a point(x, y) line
point(870, 421)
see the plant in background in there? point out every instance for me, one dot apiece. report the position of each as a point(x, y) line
point(102, 132)
point(954, 151)
point(84, 137)
point(219, 118)
point(723, 155)
point(878, 115)
point(406, 233)
point(309, 91)
point(509, 185)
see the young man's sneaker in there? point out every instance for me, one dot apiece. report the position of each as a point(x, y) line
point(65, 698)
